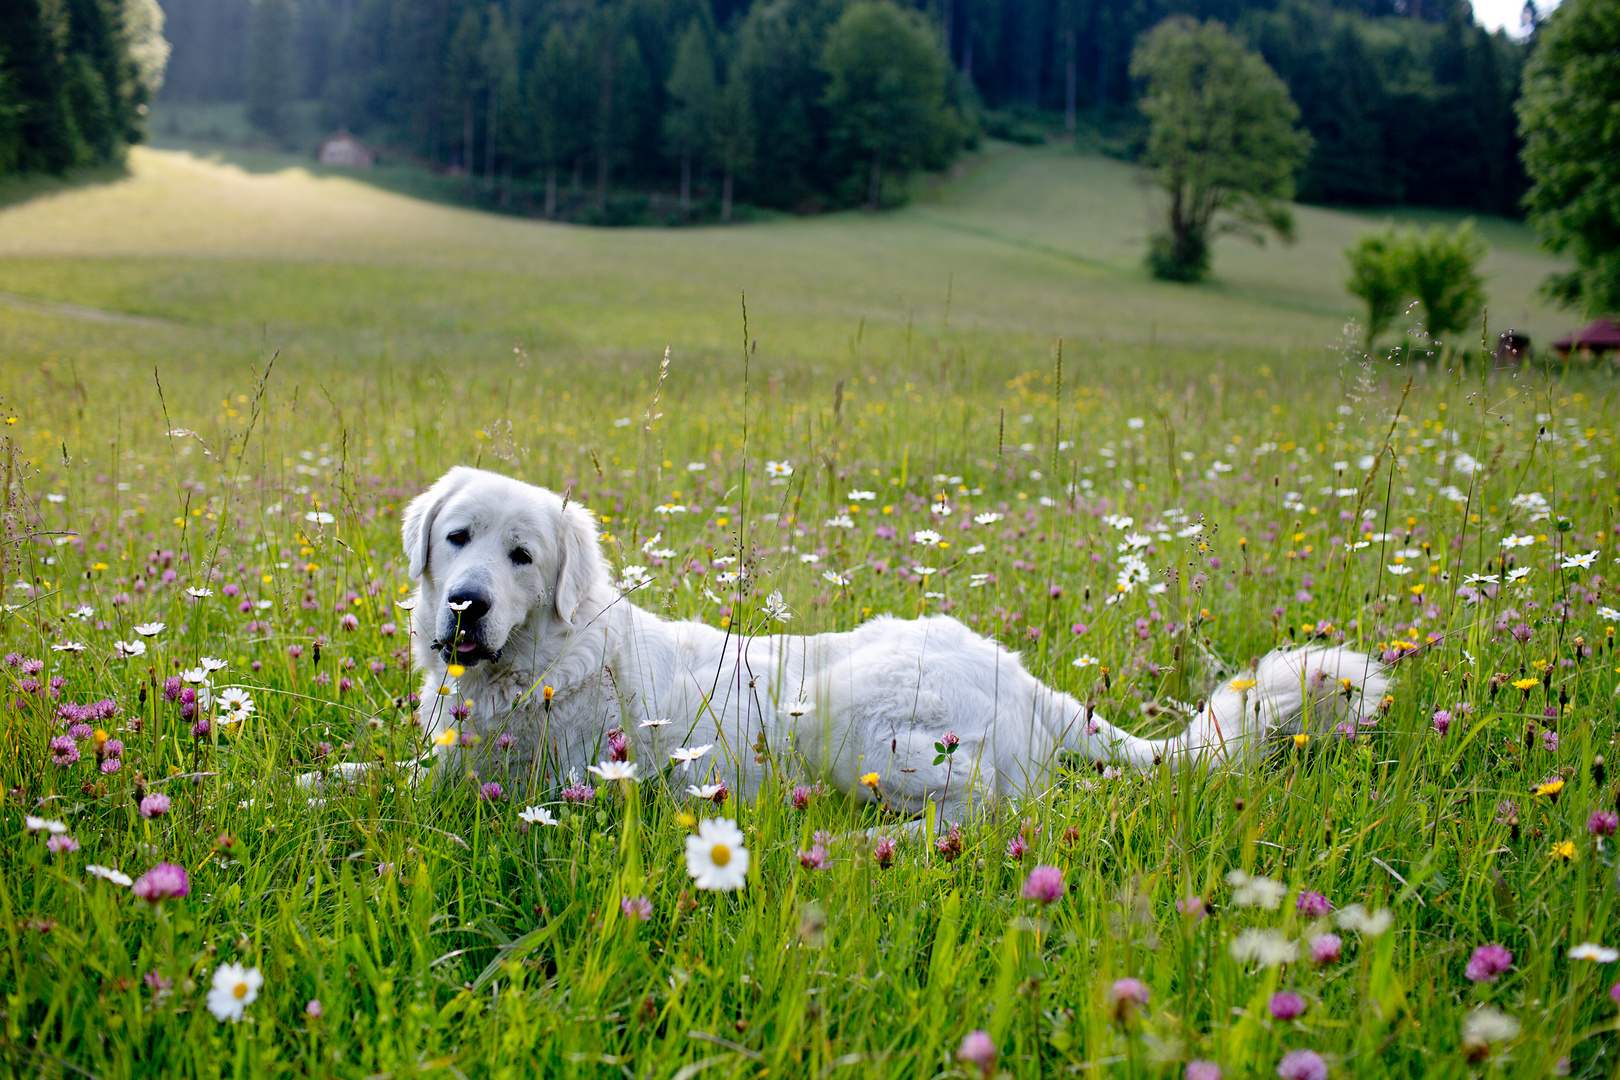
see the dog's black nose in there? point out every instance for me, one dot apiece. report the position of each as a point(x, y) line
point(468, 608)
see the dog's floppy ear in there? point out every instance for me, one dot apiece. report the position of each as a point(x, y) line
point(416, 529)
point(579, 561)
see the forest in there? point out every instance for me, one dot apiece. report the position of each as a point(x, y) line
point(558, 104)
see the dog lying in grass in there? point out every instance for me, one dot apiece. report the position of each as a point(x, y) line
point(525, 641)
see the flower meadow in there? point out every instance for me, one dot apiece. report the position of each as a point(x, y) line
point(203, 592)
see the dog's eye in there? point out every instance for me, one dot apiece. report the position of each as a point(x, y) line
point(520, 556)
point(459, 537)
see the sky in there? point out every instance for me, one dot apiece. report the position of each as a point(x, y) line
point(1496, 14)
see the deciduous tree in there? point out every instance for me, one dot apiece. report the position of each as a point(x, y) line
point(1224, 144)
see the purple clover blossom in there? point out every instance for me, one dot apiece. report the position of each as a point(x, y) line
point(1302, 1065)
point(1200, 1069)
point(59, 845)
point(113, 747)
point(110, 766)
point(1016, 847)
point(1044, 885)
point(977, 1049)
point(1488, 963)
point(1285, 1005)
point(1442, 721)
point(578, 793)
point(1325, 948)
point(1312, 904)
point(636, 908)
point(883, 852)
point(815, 858)
point(1603, 823)
point(64, 751)
point(491, 792)
point(801, 796)
point(163, 882)
point(1192, 907)
point(154, 805)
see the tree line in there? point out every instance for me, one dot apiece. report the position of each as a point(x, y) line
point(1405, 100)
point(75, 80)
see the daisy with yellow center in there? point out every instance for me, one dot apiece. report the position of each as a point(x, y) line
point(235, 988)
point(715, 857)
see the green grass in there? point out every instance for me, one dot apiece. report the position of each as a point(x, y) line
point(442, 938)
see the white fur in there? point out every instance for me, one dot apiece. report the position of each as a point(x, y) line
point(883, 693)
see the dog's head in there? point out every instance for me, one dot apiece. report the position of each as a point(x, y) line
point(493, 554)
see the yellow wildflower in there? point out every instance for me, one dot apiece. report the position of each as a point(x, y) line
point(448, 738)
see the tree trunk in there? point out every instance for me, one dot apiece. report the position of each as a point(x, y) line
point(489, 142)
point(945, 30)
point(601, 183)
point(579, 172)
point(1071, 81)
point(1102, 72)
point(686, 181)
point(725, 196)
point(551, 190)
point(467, 139)
point(875, 188)
point(967, 57)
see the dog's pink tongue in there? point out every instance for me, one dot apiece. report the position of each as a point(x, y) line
point(466, 646)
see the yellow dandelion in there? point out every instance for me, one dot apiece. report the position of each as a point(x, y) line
point(1565, 850)
point(686, 818)
point(1551, 787)
point(1525, 684)
point(456, 671)
point(871, 780)
point(1241, 685)
point(448, 738)
point(1301, 739)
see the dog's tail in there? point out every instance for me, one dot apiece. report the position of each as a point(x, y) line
point(1310, 691)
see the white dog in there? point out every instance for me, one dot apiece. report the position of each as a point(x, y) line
point(553, 660)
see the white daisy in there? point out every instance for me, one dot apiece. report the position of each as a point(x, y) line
point(688, 754)
point(235, 705)
point(1591, 950)
point(1355, 917)
point(834, 578)
point(194, 675)
point(209, 663)
point(320, 517)
point(1255, 891)
point(68, 646)
point(1579, 562)
point(778, 468)
point(235, 988)
point(862, 496)
point(1609, 613)
point(537, 815)
point(704, 791)
point(107, 873)
point(198, 594)
point(1519, 573)
point(810, 558)
point(976, 549)
point(1264, 947)
point(989, 517)
point(149, 629)
point(1084, 660)
point(614, 770)
point(1517, 541)
point(716, 857)
point(654, 723)
point(926, 537)
point(39, 824)
point(129, 650)
point(799, 708)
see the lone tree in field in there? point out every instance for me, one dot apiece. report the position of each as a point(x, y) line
point(1439, 269)
point(886, 89)
point(1572, 149)
point(1224, 144)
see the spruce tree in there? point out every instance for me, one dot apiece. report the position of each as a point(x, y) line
point(270, 68)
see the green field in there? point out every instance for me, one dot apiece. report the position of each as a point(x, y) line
point(227, 373)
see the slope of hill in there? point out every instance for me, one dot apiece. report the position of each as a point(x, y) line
point(1023, 245)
